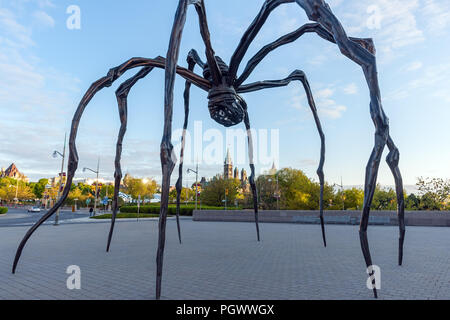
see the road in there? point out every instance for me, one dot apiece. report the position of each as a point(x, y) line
point(20, 217)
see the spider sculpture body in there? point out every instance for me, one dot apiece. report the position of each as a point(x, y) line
point(228, 108)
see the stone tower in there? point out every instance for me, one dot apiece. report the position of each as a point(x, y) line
point(228, 167)
point(244, 177)
point(236, 173)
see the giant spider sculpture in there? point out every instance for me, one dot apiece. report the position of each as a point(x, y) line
point(228, 108)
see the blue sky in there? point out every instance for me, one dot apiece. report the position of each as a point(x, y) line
point(45, 69)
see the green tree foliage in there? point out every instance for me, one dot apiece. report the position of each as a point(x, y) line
point(435, 193)
point(136, 187)
point(384, 199)
point(349, 199)
point(428, 202)
point(298, 192)
point(106, 190)
point(9, 188)
point(412, 202)
point(85, 189)
point(39, 188)
point(267, 192)
point(214, 193)
point(186, 195)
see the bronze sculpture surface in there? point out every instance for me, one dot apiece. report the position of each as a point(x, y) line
point(228, 108)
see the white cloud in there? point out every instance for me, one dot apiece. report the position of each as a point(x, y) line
point(14, 34)
point(318, 60)
point(325, 103)
point(32, 95)
point(327, 106)
point(43, 19)
point(351, 89)
point(334, 3)
point(414, 66)
point(297, 98)
point(45, 3)
point(433, 81)
point(437, 15)
point(398, 24)
point(432, 77)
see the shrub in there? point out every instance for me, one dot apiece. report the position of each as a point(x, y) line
point(3, 210)
point(155, 209)
point(125, 216)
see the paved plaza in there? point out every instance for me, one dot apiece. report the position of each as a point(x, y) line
point(223, 261)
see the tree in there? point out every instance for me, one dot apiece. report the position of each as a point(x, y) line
point(298, 192)
point(186, 195)
point(9, 188)
point(39, 188)
point(76, 193)
point(412, 202)
point(85, 189)
point(349, 199)
point(214, 193)
point(435, 192)
point(106, 190)
point(384, 199)
point(7, 193)
point(428, 202)
point(135, 187)
point(267, 191)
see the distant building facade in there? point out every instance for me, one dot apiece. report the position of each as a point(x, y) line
point(14, 173)
point(228, 167)
point(229, 173)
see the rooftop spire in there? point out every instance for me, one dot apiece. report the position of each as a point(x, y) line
point(228, 158)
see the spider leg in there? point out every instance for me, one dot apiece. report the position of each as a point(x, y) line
point(73, 161)
point(192, 59)
point(289, 38)
point(393, 159)
point(253, 174)
point(216, 74)
point(104, 82)
point(300, 76)
point(363, 53)
point(256, 25)
point(251, 33)
point(122, 102)
point(167, 155)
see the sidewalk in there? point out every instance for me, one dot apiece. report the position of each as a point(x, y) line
point(223, 261)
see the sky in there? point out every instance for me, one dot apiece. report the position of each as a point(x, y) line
point(46, 65)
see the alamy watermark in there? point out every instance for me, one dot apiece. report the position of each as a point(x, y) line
point(73, 22)
point(74, 280)
point(375, 17)
point(260, 147)
point(374, 280)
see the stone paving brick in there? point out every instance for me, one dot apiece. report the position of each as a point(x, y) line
point(223, 261)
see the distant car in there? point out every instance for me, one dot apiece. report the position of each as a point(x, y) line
point(156, 199)
point(34, 210)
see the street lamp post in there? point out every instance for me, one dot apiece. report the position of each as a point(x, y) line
point(278, 195)
point(96, 184)
point(226, 194)
point(196, 184)
point(277, 192)
point(343, 195)
point(61, 175)
point(16, 199)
